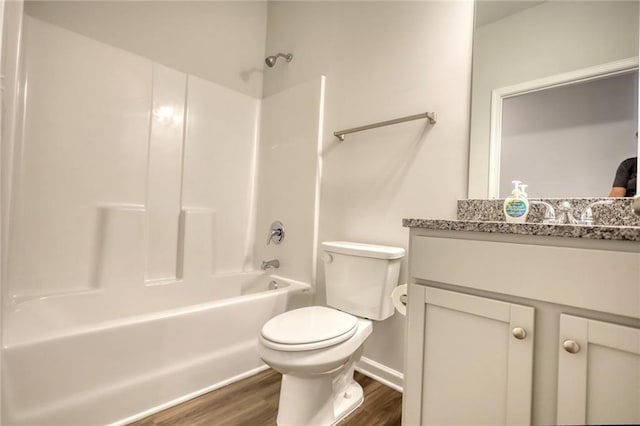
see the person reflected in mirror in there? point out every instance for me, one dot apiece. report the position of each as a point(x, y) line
point(626, 180)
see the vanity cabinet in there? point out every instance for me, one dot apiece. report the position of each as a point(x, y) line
point(576, 305)
point(475, 357)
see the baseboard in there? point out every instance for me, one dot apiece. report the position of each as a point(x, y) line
point(385, 375)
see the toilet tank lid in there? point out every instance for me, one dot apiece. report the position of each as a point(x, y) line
point(365, 250)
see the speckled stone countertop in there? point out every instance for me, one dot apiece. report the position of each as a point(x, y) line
point(613, 222)
point(619, 213)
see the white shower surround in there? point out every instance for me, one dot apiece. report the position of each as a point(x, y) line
point(117, 169)
point(110, 356)
point(130, 232)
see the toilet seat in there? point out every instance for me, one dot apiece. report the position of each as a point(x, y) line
point(304, 329)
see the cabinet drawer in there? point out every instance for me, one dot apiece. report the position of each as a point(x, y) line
point(602, 280)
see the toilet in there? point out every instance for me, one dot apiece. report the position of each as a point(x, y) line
point(316, 348)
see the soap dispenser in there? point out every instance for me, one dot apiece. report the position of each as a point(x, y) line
point(516, 207)
point(523, 190)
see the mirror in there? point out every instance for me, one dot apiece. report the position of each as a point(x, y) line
point(554, 96)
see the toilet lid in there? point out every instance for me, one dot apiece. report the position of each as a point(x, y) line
point(311, 325)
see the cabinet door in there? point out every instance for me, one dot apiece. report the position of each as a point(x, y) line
point(477, 358)
point(598, 372)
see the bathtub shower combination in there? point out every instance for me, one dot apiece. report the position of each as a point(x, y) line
point(132, 229)
point(121, 362)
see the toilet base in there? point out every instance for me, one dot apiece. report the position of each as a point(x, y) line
point(344, 406)
point(320, 400)
point(314, 402)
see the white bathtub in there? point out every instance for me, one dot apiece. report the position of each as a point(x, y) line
point(137, 350)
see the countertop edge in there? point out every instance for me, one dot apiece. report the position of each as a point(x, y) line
point(596, 232)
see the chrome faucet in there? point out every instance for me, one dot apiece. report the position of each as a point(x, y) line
point(565, 214)
point(549, 213)
point(273, 263)
point(586, 218)
point(276, 233)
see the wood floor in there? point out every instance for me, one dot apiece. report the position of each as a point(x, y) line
point(254, 402)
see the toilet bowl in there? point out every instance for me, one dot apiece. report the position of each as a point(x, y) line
point(316, 348)
point(317, 384)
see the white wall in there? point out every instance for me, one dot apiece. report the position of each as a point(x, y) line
point(127, 171)
point(569, 140)
point(545, 40)
point(219, 41)
point(382, 60)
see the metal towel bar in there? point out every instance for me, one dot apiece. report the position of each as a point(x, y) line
point(340, 134)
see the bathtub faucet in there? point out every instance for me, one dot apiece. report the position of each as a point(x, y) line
point(266, 264)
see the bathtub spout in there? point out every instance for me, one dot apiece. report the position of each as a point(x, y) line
point(266, 264)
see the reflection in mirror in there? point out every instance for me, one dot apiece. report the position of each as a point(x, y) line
point(567, 140)
point(564, 142)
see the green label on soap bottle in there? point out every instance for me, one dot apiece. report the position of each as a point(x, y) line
point(515, 208)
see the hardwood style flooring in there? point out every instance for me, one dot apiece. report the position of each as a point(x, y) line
point(254, 402)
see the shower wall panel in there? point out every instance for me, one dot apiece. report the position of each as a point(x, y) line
point(289, 166)
point(85, 145)
point(164, 172)
point(121, 160)
point(218, 164)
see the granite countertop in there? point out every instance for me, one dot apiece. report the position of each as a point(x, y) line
point(598, 232)
point(614, 221)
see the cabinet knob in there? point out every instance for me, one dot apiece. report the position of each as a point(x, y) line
point(571, 346)
point(519, 333)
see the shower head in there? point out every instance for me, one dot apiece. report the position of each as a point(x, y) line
point(271, 60)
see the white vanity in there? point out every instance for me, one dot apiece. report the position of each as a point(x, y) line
point(508, 324)
point(533, 323)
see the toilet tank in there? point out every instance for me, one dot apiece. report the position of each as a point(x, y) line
point(360, 277)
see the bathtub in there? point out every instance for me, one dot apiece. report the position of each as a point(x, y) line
point(114, 356)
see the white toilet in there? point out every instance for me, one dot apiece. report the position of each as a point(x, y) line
point(316, 348)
